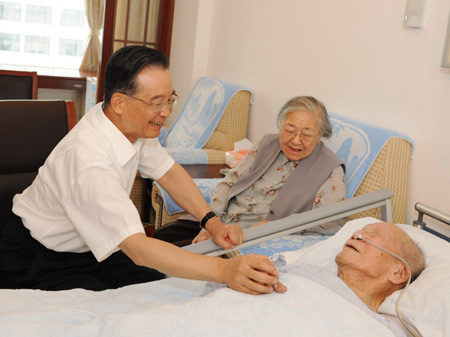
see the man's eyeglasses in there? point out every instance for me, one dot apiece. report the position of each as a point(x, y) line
point(158, 107)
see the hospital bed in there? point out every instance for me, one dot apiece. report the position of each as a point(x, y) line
point(178, 307)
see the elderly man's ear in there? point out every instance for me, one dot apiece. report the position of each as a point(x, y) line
point(399, 274)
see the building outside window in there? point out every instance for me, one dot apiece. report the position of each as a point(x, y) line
point(39, 14)
point(43, 33)
point(9, 42)
point(10, 11)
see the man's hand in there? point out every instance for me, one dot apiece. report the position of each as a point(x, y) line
point(252, 274)
point(226, 236)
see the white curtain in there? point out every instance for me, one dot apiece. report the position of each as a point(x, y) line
point(94, 15)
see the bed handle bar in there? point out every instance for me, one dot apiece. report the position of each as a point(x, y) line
point(305, 220)
point(433, 213)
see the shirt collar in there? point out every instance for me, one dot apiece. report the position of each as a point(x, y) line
point(284, 160)
point(122, 147)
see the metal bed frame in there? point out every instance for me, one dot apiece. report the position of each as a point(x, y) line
point(435, 214)
point(305, 220)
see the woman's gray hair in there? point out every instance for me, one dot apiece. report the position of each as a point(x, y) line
point(312, 105)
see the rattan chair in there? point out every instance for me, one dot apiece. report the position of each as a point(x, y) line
point(389, 170)
point(231, 128)
point(213, 118)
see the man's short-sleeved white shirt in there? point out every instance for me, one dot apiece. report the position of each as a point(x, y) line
point(80, 199)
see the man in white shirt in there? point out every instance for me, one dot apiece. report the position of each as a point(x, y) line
point(76, 226)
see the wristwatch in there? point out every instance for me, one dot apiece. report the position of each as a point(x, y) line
point(205, 219)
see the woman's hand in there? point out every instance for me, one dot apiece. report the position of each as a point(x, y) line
point(260, 223)
point(202, 236)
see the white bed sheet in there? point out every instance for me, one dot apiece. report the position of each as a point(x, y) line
point(172, 307)
point(80, 312)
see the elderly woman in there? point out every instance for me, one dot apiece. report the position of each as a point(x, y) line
point(286, 173)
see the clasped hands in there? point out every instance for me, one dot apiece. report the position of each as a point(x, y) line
point(252, 274)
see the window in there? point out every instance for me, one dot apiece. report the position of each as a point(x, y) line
point(9, 42)
point(72, 18)
point(9, 11)
point(39, 14)
point(37, 44)
point(70, 47)
point(43, 33)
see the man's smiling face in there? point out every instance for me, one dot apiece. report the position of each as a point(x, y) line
point(139, 120)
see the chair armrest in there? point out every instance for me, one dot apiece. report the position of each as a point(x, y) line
point(162, 217)
point(215, 156)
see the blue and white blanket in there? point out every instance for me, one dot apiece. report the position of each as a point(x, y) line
point(285, 243)
point(206, 187)
point(357, 144)
point(198, 119)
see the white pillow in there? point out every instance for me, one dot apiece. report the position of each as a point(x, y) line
point(426, 303)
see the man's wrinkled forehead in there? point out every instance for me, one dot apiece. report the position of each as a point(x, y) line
point(372, 227)
point(378, 229)
point(389, 233)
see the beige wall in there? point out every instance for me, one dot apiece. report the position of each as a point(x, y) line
point(353, 55)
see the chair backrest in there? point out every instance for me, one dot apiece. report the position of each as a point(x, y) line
point(375, 158)
point(201, 113)
point(18, 84)
point(233, 124)
point(389, 170)
point(29, 130)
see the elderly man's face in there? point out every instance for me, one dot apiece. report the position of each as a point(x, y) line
point(140, 120)
point(362, 256)
point(299, 134)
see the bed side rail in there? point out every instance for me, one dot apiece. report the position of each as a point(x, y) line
point(433, 213)
point(305, 220)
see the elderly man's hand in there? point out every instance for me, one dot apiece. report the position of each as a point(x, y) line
point(252, 274)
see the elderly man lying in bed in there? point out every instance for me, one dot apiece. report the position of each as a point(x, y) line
point(367, 274)
point(368, 267)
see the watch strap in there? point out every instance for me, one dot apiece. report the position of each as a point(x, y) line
point(205, 219)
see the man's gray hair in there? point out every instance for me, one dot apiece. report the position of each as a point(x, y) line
point(309, 104)
point(413, 255)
